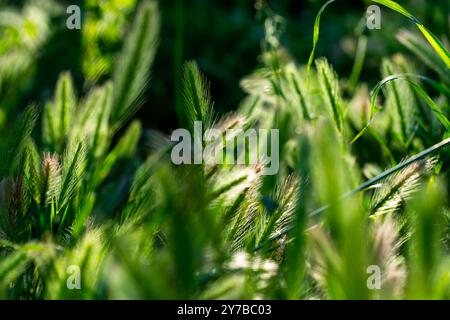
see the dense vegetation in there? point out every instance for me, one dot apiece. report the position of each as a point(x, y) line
point(83, 186)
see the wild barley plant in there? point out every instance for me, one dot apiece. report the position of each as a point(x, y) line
point(75, 192)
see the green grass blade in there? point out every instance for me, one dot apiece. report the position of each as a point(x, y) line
point(315, 40)
point(359, 62)
point(432, 39)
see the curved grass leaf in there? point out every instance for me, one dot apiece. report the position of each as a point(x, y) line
point(433, 106)
point(425, 53)
point(315, 39)
point(431, 38)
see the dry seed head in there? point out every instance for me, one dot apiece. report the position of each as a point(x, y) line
point(385, 239)
point(230, 122)
point(398, 188)
point(386, 246)
point(51, 176)
point(51, 161)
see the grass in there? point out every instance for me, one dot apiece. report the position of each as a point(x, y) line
point(362, 182)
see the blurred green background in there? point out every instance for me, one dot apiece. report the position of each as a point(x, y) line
point(223, 37)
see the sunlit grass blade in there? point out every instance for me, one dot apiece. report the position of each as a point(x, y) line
point(72, 174)
point(132, 72)
point(418, 46)
point(315, 40)
point(431, 38)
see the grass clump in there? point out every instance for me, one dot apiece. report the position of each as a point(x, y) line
point(85, 190)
